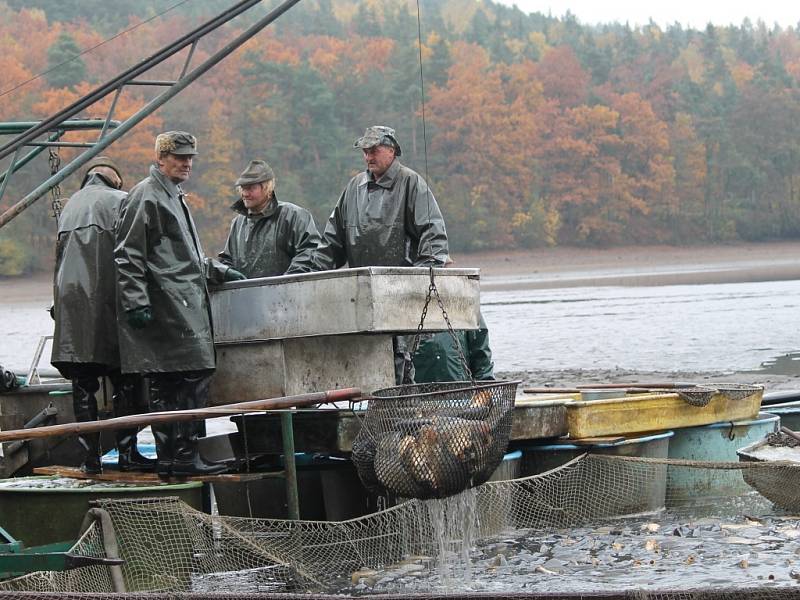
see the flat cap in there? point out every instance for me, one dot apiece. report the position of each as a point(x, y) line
point(378, 135)
point(176, 142)
point(256, 172)
point(101, 161)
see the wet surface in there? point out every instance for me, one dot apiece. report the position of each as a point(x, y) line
point(725, 328)
point(703, 328)
point(62, 483)
point(670, 554)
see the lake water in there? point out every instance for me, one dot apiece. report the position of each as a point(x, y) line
point(705, 328)
point(732, 327)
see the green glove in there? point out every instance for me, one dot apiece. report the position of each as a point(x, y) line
point(233, 275)
point(138, 318)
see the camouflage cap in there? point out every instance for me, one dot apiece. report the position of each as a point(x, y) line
point(378, 135)
point(101, 161)
point(179, 143)
point(256, 172)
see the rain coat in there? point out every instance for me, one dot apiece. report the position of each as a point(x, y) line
point(160, 264)
point(437, 358)
point(84, 285)
point(279, 240)
point(394, 221)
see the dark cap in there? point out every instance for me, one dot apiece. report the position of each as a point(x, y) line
point(378, 135)
point(176, 142)
point(256, 172)
point(101, 161)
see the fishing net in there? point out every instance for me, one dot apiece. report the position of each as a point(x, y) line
point(597, 526)
point(433, 440)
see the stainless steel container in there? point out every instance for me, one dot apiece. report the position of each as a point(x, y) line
point(345, 301)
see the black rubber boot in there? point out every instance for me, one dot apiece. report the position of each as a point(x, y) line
point(187, 457)
point(163, 398)
point(193, 393)
point(130, 459)
point(84, 405)
point(126, 401)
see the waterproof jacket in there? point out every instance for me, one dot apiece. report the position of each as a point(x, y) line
point(279, 240)
point(394, 221)
point(84, 286)
point(437, 358)
point(160, 264)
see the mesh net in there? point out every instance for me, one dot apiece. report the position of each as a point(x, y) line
point(598, 526)
point(433, 440)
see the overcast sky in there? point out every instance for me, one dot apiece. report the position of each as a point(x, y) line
point(692, 13)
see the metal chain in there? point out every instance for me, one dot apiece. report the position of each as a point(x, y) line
point(415, 343)
point(432, 290)
point(453, 335)
point(55, 191)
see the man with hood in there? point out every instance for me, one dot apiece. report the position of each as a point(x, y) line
point(386, 216)
point(268, 237)
point(85, 343)
point(165, 318)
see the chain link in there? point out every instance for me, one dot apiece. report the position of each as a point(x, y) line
point(55, 191)
point(432, 290)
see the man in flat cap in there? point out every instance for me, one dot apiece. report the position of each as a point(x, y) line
point(386, 216)
point(165, 318)
point(85, 344)
point(268, 237)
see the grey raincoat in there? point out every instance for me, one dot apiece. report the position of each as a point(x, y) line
point(394, 221)
point(84, 285)
point(279, 240)
point(160, 264)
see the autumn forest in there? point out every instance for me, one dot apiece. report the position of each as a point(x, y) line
point(537, 130)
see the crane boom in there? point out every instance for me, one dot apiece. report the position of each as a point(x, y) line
point(128, 78)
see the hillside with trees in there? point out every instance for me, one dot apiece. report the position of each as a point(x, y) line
point(539, 130)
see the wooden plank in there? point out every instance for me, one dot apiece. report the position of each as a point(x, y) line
point(150, 478)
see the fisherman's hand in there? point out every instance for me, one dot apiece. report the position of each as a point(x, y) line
point(138, 318)
point(233, 275)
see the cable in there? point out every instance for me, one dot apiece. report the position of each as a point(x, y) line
point(61, 64)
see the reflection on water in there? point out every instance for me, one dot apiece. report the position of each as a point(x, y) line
point(734, 327)
point(708, 328)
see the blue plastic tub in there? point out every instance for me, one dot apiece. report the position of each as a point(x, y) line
point(789, 412)
point(717, 442)
point(643, 496)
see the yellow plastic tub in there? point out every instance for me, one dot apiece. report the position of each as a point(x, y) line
point(658, 411)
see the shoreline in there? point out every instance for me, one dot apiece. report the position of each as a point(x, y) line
point(547, 268)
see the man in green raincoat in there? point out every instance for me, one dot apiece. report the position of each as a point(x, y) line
point(165, 319)
point(85, 345)
point(437, 358)
point(386, 216)
point(268, 237)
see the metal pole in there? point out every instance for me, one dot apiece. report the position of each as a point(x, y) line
point(175, 416)
point(17, 127)
point(289, 466)
point(125, 76)
point(145, 111)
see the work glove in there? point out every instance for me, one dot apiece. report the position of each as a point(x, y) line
point(233, 275)
point(138, 318)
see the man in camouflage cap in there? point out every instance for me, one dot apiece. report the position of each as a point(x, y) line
point(85, 343)
point(268, 237)
point(165, 318)
point(386, 216)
